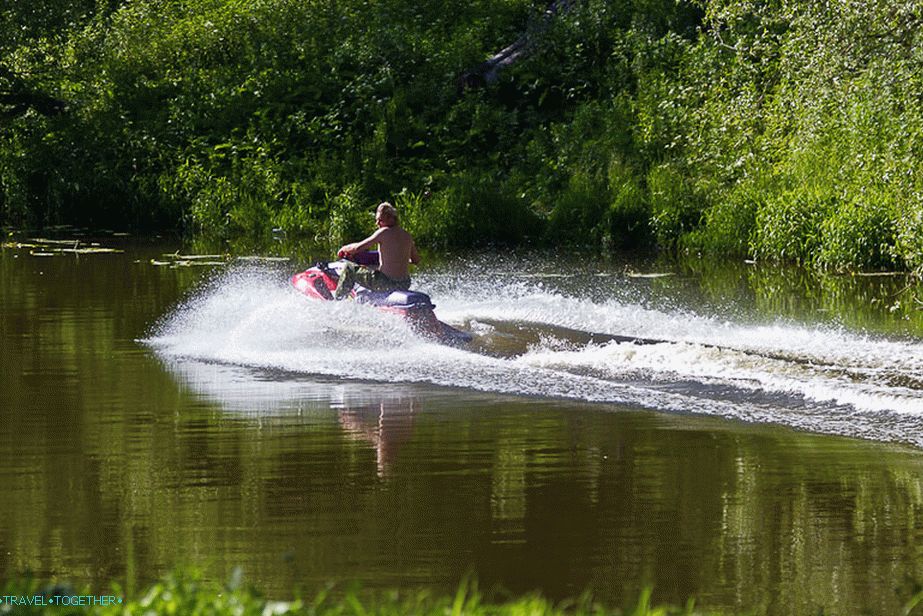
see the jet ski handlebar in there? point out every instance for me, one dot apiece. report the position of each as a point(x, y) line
point(366, 257)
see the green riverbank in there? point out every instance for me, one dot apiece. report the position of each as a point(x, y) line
point(186, 593)
point(781, 131)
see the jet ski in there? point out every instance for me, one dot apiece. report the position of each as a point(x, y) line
point(320, 282)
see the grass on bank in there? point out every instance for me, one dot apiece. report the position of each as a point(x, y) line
point(184, 593)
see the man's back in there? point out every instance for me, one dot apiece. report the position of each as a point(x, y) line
point(395, 252)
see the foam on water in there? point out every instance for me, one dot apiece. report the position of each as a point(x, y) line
point(822, 379)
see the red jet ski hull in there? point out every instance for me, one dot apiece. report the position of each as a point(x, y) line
point(320, 282)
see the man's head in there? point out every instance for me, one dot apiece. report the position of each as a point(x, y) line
point(386, 215)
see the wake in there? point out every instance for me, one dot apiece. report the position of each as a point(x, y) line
point(534, 341)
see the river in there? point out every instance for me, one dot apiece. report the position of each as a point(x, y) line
point(743, 434)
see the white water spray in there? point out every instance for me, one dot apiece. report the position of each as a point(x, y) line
point(826, 380)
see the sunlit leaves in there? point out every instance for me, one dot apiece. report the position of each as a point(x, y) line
point(782, 128)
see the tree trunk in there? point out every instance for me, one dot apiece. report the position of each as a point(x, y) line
point(17, 97)
point(488, 72)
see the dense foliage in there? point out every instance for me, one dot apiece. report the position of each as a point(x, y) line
point(778, 129)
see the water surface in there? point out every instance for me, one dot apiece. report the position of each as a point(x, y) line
point(729, 433)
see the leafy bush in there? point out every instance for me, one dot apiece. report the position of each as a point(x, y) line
point(780, 129)
point(350, 217)
point(580, 210)
point(789, 226)
point(627, 221)
point(859, 235)
point(675, 208)
point(475, 210)
point(909, 241)
point(730, 223)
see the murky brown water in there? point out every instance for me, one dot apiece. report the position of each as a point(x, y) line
point(126, 454)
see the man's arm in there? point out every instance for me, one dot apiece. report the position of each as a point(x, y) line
point(414, 256)
point(350, 249)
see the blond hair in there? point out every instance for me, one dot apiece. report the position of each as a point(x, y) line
point(386, 210)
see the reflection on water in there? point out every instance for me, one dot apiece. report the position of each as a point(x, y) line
point(385, 426)
point(381, 417)
point(247, 434)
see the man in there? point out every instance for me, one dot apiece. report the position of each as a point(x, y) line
point(396, 251)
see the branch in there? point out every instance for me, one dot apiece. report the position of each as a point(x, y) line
point(17, 96)
point(488, 72)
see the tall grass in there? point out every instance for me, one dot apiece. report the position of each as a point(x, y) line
point(185, 593)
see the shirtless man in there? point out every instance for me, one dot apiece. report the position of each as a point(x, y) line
point(396, 251)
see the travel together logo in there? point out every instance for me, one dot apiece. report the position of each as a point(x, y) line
point(60, 600)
